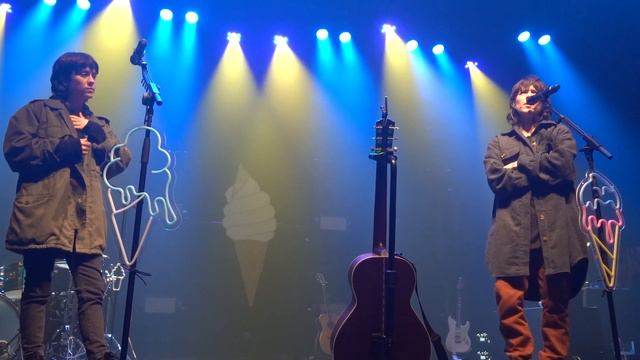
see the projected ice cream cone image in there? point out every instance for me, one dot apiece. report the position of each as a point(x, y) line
point(249, 220)
point(601, 219)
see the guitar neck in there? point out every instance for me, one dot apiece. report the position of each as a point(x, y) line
point(325, 303)
point(380, 209)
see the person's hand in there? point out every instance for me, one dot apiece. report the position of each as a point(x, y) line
point(512, 165)
point(86, 145)
point(79, 122)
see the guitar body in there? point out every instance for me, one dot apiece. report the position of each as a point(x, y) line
point(458, 341)
point(352, 337)
point(327, 324)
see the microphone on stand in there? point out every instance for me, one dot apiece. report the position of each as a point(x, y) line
point(138, 52)
point(543, 95)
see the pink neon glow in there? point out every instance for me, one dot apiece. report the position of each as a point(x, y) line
point(610, 225)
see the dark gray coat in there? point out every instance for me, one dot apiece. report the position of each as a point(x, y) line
point(58, 195)
point(546, 174)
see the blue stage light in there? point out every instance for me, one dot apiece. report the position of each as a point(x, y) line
point(544, 40)
point(322, 34)
point(50, 2)
point(280, 40)
point(437, 49)
point(191, 17)
point(524, 36)
point(234, 37)
point(166, 14)
point(411, 45)
point(345, 37)
point(5, 8)
point(83, 4)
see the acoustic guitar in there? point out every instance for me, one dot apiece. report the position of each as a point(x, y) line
point(326, 319)
point(379, 323)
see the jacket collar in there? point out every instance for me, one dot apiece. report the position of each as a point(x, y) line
point(57, 104)
point(542, 124)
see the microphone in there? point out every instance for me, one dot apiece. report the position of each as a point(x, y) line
point(543, 95)
point(138, 52)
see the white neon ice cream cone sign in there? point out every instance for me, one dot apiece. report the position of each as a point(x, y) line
point(601, 219)
point(157, 205)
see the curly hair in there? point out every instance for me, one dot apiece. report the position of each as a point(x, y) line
point(524, 85)
point(65, 66)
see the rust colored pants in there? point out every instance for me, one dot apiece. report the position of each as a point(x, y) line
point(554, 293)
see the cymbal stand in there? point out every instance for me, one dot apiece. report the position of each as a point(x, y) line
point(64, 345)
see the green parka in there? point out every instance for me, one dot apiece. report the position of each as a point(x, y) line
point(58, 201)
point(544, 177)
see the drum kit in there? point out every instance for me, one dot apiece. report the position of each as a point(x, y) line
point(62, 335)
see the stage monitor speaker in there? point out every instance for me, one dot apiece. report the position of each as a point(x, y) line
point(586, 330)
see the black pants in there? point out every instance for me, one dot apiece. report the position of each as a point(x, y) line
point(86, 271)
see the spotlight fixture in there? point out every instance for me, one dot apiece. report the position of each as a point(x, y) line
point(524, 36)
point(191, 17)
point(388, 28)
point(49, 2)
point(322, 34)
point(437, 49)
point(166, 14)
point(234, 37)
point(471, 64)
point(345, 37)
point(544, 40)
point(5, 8)
point(411, 45)
point(83, 4)
point(280, 40)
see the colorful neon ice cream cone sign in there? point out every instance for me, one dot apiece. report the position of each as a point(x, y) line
point(601, 219)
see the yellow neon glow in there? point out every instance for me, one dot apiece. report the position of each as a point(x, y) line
point(608, 264)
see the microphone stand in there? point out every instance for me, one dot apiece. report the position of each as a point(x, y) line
point(149, 99)
point(591, 146)
point(386, 169)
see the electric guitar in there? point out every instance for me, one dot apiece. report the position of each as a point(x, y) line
point(458, 341)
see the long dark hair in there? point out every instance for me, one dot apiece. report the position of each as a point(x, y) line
point(67, 64)
point(524, 85)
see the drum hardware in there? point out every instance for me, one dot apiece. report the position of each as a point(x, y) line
point(9, 330)
point(64, 344)
point(12, 280)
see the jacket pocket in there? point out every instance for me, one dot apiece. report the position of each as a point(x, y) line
point(509, 154)
point(52, 129)
point(32, 219)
